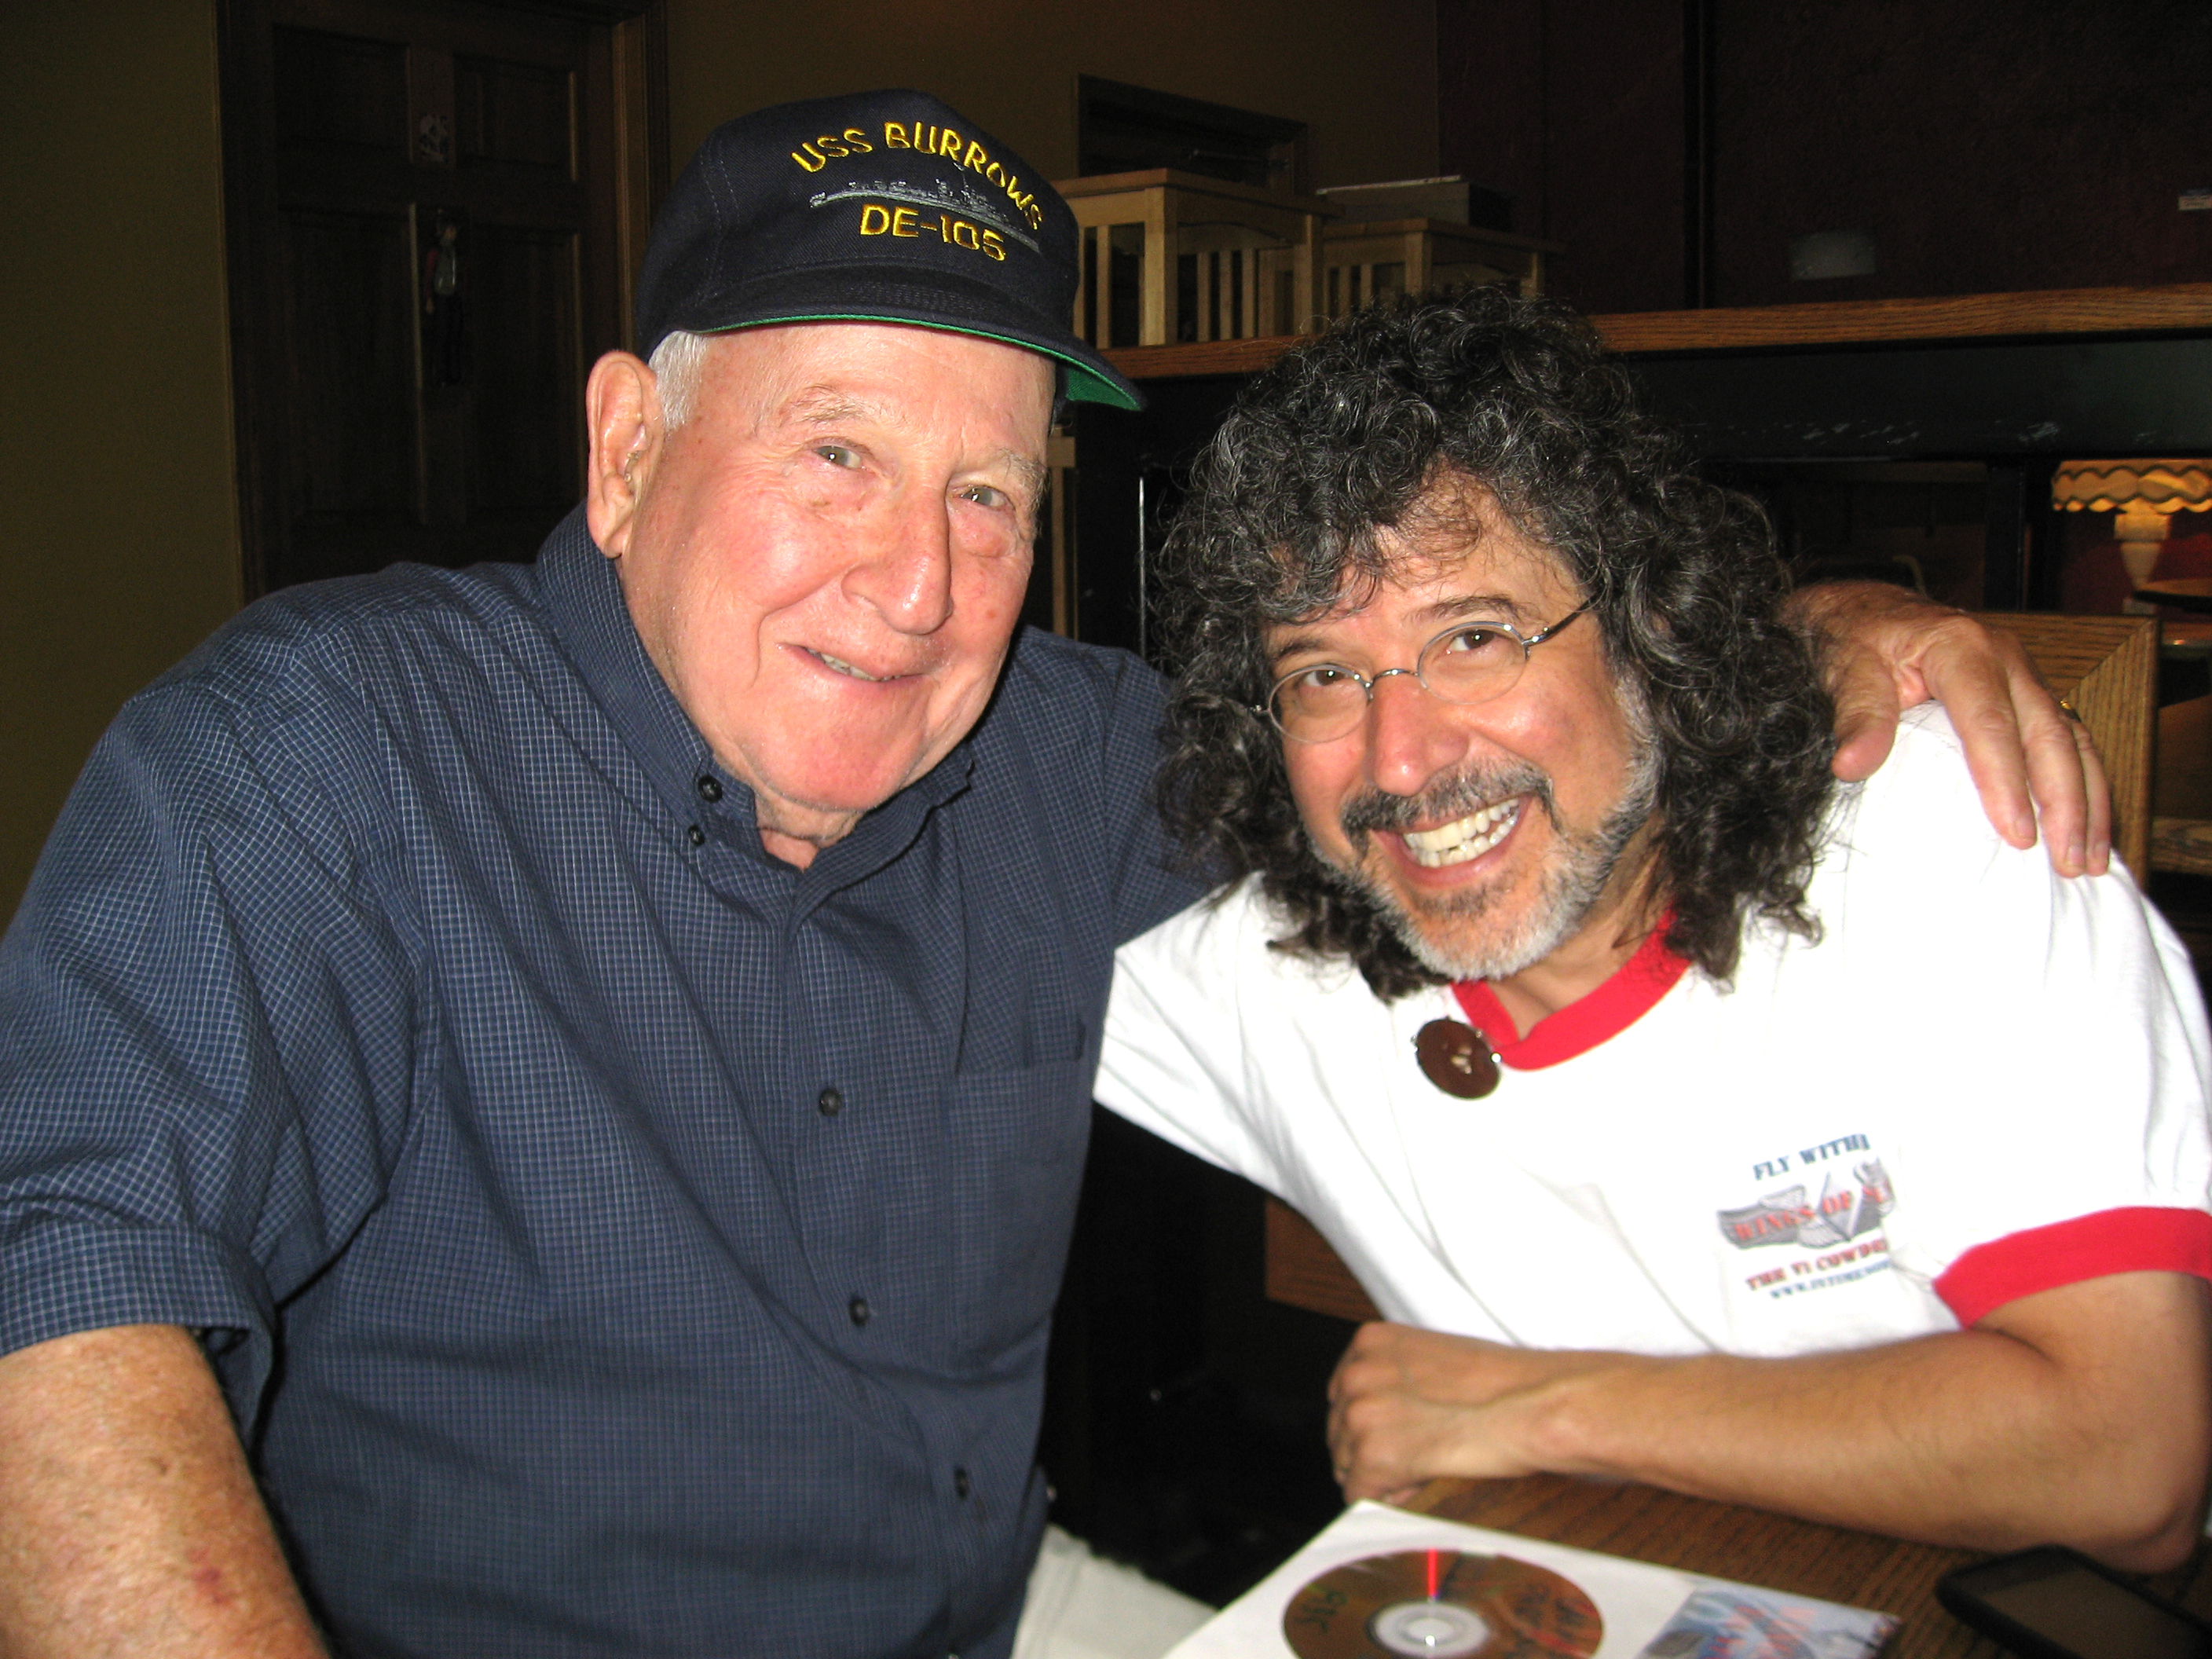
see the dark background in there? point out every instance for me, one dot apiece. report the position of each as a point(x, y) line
point(1986, 146)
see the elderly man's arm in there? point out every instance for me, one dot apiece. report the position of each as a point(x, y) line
point(1883, 650)
point(129, 1522)
point(2080, 1415)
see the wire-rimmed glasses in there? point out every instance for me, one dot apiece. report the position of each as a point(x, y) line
point(1469, 662)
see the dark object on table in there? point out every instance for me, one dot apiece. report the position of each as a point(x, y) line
point(2182, 592)
point(2055, 1603)
point(2185, 670)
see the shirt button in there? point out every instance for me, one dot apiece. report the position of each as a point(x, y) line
point(960, 1486)
point(861, 1313)
point(830, 1103)
point(709, 791)
point(696, 835)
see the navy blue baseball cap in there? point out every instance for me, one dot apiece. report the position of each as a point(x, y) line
point(885, 207)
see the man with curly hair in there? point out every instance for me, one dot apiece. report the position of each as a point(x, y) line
point(1692, 1118)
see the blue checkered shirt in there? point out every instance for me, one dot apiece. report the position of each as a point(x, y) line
point(611, 1240)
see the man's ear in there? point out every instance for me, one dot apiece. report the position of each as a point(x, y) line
point(622, 402)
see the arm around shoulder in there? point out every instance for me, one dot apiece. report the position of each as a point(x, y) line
point(129, 1520)
point(1883, 649)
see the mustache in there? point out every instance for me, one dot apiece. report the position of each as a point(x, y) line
point(1444, 799)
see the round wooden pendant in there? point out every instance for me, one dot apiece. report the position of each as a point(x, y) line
point(1456, 1058)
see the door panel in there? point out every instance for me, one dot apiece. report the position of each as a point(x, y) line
point(340, 91)
point(432, 238)
point(516, 115)
point(348, 327)
point(525, 414)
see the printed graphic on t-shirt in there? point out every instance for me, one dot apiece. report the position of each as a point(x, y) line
point(1836, 1232)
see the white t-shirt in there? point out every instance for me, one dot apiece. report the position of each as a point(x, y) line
point(1982, 1081)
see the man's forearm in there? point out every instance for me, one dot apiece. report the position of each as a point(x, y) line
point(1960, 1439)
point(1979, 1437)
point(129, 1520)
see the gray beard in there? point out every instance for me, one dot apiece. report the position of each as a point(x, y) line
point(1571, 888)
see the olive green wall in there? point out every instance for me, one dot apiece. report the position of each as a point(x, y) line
point(118, 550)
point(121, 550)
point(1361, 73)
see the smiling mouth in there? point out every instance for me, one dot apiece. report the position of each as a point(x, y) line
point(847, 669)
point(1466, 838)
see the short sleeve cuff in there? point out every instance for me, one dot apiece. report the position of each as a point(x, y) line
point(65, 1277)
point(2136, 1240)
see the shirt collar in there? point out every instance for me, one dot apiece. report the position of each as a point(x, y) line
point(583, 598)
point(1630, 992)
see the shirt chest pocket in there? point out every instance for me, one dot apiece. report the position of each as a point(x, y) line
point(1027, 1030)
point(1015, 1145)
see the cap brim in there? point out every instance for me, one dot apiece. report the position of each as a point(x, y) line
point(862, 294)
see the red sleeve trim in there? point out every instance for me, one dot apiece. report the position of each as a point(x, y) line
point(2137, 1240)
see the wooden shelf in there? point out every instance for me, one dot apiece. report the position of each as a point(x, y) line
point(1960, 317)
point(2181, 306)
point(1205, 357)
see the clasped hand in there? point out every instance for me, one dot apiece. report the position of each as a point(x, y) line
point(1406, 1406)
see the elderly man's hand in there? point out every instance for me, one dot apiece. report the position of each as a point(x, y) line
point(1885, 649)
point(1407, 1405)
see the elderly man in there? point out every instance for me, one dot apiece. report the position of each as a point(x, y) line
point(1692, 1120)
point(583, 1069)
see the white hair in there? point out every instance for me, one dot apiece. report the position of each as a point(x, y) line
point(677, 363)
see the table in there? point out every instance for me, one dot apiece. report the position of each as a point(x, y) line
point(2182, 592)
point(1728, 1541)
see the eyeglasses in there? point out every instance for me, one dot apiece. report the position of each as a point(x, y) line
point(1469, 662)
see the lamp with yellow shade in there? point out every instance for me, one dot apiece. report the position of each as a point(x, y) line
point(2145, 495)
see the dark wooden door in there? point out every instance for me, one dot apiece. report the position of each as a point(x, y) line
point(435, 207)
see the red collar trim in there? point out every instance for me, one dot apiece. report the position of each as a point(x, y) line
point(1632, 991)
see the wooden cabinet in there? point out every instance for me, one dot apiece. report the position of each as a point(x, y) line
point(1370, 260)
point(1170, 256)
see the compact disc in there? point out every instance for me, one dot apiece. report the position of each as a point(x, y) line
point(1439, 1604)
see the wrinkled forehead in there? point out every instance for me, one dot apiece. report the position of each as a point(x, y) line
point(990, 402)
